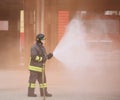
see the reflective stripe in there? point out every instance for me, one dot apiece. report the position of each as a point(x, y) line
point(32, 85)
point(37, 58)
point(34, 68)
point(40, 59)
point(43, 85)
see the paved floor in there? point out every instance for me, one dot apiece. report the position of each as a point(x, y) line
point(88, 83)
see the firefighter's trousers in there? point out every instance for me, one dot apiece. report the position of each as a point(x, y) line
point(36, 76)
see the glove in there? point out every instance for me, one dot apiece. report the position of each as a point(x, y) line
point(50, 55)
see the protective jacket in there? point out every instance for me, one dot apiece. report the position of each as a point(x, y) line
point(38, 57)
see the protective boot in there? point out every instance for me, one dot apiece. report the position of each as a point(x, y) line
point(31, 92)
point(46, 93)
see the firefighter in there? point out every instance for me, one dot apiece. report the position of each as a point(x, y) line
point(38, 59)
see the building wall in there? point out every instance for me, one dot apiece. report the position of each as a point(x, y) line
point(9, 38)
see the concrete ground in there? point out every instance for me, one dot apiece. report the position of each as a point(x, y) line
point(85, 83)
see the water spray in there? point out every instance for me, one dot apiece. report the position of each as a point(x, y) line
point(72, 49)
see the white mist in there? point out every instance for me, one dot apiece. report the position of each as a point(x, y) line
point(72, 49)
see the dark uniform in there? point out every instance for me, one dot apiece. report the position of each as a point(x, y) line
point(38, 59)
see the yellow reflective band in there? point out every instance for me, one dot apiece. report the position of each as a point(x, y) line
point(32, 85)
point(40, 59)
point(33, 68)
point(43, 85)
point(37, 58)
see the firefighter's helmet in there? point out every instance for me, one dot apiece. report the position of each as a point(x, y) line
point(40, 37)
